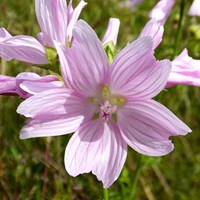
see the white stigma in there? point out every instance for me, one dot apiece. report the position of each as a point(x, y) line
point(106, 110)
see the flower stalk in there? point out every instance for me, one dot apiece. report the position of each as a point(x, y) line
point(179, 29)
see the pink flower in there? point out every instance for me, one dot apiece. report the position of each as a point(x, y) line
point(27, 84)
point(195, 8)
point(107, 106)
point(130, 3)
point(154, 30)
point(112, 31)
point(162, 10)
point(56, 21)
point(185, 71)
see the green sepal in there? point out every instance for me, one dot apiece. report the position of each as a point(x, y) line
point(110, 51)
point(53, 66)
point(51, 55)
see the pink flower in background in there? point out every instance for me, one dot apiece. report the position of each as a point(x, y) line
point(56, 21)
point(112, 31)
point(162, 10)
point(130, 3)
point(185, 71)
point(195, 8)
point(107, 106)
point(154, 30)
point(27, 84)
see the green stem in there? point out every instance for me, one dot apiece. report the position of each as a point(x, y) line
point(179, 29)
point(69, 187)
point(136, 178)
point(105, 194)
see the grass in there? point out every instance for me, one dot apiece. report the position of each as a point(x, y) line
point(33, 169)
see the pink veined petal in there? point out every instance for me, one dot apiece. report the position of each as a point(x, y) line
point(4, 34)
point(91, 65)
point(32, 83)
point(52, 18)
point(146, 127)
point(97, 147)
point(195, 8)
point(50, 126)
point(112, 31)
point(39, 86)
point(23, 48)
point(135, 72)
point(7, 85)
point(26, 84)
point(54, 112)
point(70, 10)
point(162, 10)
point(74, 17)
point(60, 101)
point(65, 68)
point(185, 71)
point(154, 30)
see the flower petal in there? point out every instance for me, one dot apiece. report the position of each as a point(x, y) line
point(135, 72)
point(99, 148)
point(154, 30)
point(7, 85)
point(162, 10)
point(4, 34)
point(53, 112)
point(146, 127)
point(185, 71)
point(194, 9)
point(112, 31)
point(23, 48)
point(53, 102)
point(32, 83)
point(52, 18)
point(90, 62)
point(74, 17)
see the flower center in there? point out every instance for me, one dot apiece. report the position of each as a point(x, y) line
point(106, 104)
point(107, 110)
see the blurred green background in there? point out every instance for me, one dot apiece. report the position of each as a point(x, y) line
point(33, 169)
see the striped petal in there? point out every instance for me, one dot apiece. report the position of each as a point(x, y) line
point(53, 112)
point(23, 48)
point(85, 63)
point(52, 18)
point(99, 148)
point(149, 127)
point(135, 72)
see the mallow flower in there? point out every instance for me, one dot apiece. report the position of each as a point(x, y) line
point(163, 8)
point(27, 84)
point(185, 71)
point(108, 106)
point(194, 9)
point(56, 21)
